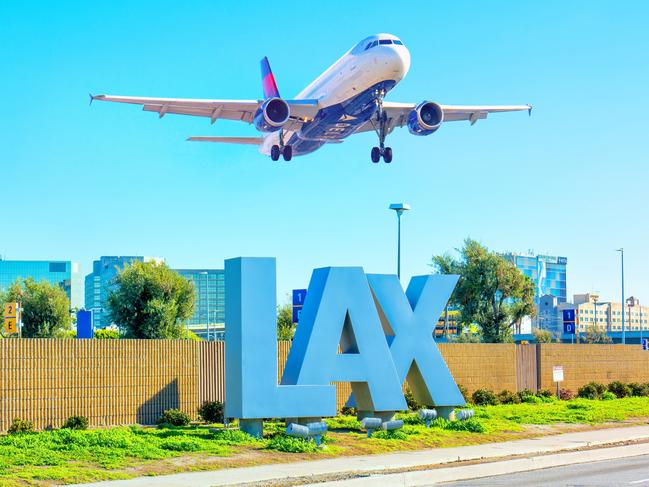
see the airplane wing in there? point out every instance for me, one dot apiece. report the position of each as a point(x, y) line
point(243, 110)
point(397, 113)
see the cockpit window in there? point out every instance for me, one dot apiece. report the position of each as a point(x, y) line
point(369, 44)
point(385, 41)
point(398, 42)
point(375, 43)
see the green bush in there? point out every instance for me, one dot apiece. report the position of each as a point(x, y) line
point(348, 411)
point(608, 395)
point(472, 425)
point(390, 435)
point(412, 403)
point(484, 397)
point(290, 444)
point(508, 397)
point(106, 334)
point(174, 417)
point(21, 426)
point(233, 437)
point(211, 412)
point(639, 390)
point(546, 393)
point(592, 390)
point(176, 443)
point(76, 423)
point(620, 389)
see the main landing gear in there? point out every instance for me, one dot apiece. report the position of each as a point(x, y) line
point(381, 128)
point(281, 149)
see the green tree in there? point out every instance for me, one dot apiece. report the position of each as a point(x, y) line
point(491, 291)
point(46, 308)
point(595, 335)
point(151, 301)
point(285, 325)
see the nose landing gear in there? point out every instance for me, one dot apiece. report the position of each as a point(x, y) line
point(381, 128)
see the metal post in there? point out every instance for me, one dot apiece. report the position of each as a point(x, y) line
point(399, 244)
point(207, 291)
point(623, 323)
point(640, 311)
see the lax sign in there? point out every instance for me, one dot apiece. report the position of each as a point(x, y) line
point(384, 334)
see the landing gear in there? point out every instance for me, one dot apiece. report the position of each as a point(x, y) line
point(281, 149)
point(381, 128)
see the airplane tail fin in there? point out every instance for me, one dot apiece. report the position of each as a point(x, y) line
point(268, 80)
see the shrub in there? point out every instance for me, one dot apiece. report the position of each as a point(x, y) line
point(76, 423)
point(484, 397)
point(174, 417)
point(233, 437)
point(290, 444)
point(472, 425)
point(566, 394)
point(592, 390)
point(547, 393)
point(620, 389)
point(211, 412)
point(390, 435)
point(639, 390)
point(608, 395)
point(106, 334)
point(348, 411)
point(508, 397)
point(412, 403)
point(465, 392)
point(21, 426)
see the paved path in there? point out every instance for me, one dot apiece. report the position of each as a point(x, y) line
point(401, 460)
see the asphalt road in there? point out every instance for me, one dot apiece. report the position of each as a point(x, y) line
point(630, 472)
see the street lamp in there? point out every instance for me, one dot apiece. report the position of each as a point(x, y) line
point(621, 251)
point(399, 208)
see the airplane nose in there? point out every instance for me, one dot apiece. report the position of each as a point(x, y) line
point(397, 60)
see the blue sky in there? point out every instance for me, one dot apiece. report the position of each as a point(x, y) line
point(572, 180)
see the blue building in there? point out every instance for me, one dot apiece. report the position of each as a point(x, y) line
point(62, 273)
point(548, 273)
point(209, 311)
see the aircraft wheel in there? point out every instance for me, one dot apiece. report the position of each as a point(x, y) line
point(387, 155)
point(274, 153)
point(288, 153)
point(376, 154)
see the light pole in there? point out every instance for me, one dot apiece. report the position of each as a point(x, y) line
point(399, 208)
point(621, 251)
point(207, 295)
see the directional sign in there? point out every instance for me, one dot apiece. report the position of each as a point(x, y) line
point(10, 325)
point(11, 310)
point(568, 315)
point(299, 295)
point(569, 328)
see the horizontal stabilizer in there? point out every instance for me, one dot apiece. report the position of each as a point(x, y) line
point(229, 140)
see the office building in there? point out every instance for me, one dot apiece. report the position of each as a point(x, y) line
point(209, 310)
point(548, 273)
point(62, 273)
point(99, 282)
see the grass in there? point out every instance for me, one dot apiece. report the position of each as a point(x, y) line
point(70, 456)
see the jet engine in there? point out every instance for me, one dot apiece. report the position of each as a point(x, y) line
point(272, 115)
point(425, 118)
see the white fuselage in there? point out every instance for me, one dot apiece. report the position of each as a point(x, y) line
point(356, 72)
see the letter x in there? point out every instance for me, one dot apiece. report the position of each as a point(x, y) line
point(409, 323)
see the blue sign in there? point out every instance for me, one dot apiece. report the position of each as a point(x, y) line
point(297, 311)
point(569, 328)
point(299, 295)
point(385, 335)
point(84, 324)
point(645, 344)
point(568, 315)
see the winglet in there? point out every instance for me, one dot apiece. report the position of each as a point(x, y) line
point(529, 110)
point(91, 98)
point(268, 80)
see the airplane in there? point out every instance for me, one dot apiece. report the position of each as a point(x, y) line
point(348, 98)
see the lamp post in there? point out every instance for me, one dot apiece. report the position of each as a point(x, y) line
point(621, 251)
point(399, 208)
point(207, 295)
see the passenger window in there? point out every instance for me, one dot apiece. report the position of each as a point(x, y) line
point(398, 42)
point(385, 41)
